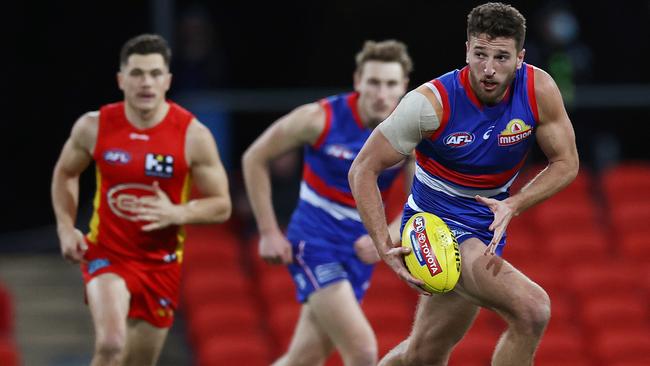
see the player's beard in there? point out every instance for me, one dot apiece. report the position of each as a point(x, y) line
point(494, 96)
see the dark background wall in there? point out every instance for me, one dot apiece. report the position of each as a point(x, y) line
point(61, 57)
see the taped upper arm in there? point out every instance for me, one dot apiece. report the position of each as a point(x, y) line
point(414, 118)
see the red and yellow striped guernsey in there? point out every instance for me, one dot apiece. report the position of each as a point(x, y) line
point(128, 161)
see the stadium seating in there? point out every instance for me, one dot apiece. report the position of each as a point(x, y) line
point(627, 183)
point(591, 254)
point(8, 352)
point(9, 355)
point(629, 344)
point(6, 313)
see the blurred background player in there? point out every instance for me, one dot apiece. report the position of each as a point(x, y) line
point(147, 151)
point(327, 249)
point(473, 129)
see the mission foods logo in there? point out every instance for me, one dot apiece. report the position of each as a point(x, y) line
point(422, 247)
point(515, 132)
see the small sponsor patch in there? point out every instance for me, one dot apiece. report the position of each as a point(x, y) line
point(459, 139)
point(340, 152)
point(117, 157)
point(97, 264)
point(159, 165)
point(300, 281)
point(328, 272)
point(164, 302)
point(516, 131)
point(459, 233)
point(171, 257)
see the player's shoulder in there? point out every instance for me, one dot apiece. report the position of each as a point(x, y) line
point(197, 131)
point(544, 82)
point(87, 125)
point(310, 111)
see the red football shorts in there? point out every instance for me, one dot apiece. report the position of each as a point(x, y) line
point(154, 287)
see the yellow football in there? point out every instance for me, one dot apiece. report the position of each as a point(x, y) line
point(434, 257)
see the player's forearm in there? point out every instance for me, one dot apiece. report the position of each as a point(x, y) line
point(368, 199)
point(549, 181)
point(208, 210)
point(257, 180)
point(65, 198)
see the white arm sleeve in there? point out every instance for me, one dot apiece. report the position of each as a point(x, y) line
point(413, 115)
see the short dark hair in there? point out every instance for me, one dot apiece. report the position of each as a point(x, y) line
point(146, 44)
point(385, 51)
point(497, 20)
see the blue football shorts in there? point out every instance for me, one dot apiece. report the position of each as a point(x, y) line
point(315, 267)
point(460, 230)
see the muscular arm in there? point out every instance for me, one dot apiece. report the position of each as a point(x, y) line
point(376, 156)
point(556, 138)
point(416, 117)
point(74, 159)
point(209, 176)
point(409, 172)
point(302, 126)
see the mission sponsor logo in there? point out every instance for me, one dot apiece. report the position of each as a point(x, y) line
point(117, 157)
point(159, 165)
point(516, 131)
point(459, 139)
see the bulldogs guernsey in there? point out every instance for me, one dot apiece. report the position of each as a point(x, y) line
point(477, 149)
point(326, 214)
point(128, 161)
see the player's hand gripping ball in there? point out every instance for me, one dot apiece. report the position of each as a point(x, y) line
point(434, 257)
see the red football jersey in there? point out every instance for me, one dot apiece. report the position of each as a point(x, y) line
point(128, 160)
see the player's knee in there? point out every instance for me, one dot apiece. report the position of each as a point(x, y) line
point(110, 347)
point(535, 314)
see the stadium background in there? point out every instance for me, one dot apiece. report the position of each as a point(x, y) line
point(239, 66)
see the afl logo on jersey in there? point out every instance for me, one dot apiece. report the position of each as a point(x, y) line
point(459, 139)
point(516, 131)
point(117, 157)
point(340, 152)
point(125, 199)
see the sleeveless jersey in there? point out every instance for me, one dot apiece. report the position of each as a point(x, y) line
point(128, 161)
point(326, 213)
point(477, 149)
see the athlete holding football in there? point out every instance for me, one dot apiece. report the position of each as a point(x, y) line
point(471, 130)
point(327, 250)
point(147, 151)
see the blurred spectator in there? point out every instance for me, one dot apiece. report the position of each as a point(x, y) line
point(199, 63)
point(198, 66)
point(559, 50)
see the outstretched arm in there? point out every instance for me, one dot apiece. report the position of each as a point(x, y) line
point(556, 138)
point(302, 126)
point(74, 159)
